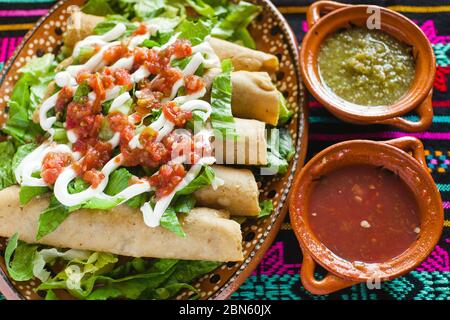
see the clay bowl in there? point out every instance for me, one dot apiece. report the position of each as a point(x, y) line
point(272, 34)
point(403, 156)
point(338, 16)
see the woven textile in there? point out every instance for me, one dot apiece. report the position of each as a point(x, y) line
point(277, 277)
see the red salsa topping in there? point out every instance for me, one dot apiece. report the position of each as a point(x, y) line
point(173, 113)
point(53, 164)
point(114, 53)
point(167, 178)
point(64, 97)
point(193, 84)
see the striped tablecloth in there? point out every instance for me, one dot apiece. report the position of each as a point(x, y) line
point(277, 277)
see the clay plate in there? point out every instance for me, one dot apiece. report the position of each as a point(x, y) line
point(272, 34)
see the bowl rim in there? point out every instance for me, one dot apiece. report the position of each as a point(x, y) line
point(345, 110)
point(8, 288)
point(341, 267)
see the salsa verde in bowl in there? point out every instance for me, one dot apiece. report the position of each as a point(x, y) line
point(368, 76)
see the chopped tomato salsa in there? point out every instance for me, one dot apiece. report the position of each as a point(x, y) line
point(174, 114)
point(181, 48)
point(114, 53)
point(53, 164)
point(165, 81)
point(167, 178)
point(193, 84)
point(64, 97)
point(96, 155)
point(141, 30)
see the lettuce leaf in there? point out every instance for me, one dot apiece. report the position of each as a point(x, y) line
point(56, 212)
point(111, 21)
point(7, 152)
point(98, 7)
point(185, 273)
point(97, 275)
point(204, 179)
point(118, 181)
point(27, 193)
point(280, 150)
point(266, 208)
point(27, 94)
point(285, 114)
point(51, 218)
point(20, 268)
point(195, 31)
point(238, 17)
point(222, 119)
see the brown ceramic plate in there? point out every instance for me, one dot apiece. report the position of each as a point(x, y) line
point(272, 34)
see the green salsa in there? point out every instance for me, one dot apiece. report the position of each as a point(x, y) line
point(366, 67)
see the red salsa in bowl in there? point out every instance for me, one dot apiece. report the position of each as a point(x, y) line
point(364, 213)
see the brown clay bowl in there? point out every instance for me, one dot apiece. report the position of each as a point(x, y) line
point(272, 34)
point(403, 156)
point(338, 16)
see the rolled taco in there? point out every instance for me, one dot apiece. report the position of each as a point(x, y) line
point(122, 231)
point(238, 194)
point(79, 26)
point(255, 97)
point(244, 58)
point(248, 148)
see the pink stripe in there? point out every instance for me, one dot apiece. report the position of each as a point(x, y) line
point(436, 104)
point(4, 45)
point(438, 260)
point(446, 204)
point(11, 47)
point(379, 135)
point(23, 13)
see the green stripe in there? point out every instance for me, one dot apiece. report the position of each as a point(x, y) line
point(443, 187)
point(327, 119)
point(1, 65)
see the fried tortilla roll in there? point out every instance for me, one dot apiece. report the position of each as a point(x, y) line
point(255, 97)
point(249, 148)
point(244, 58)
point(79, 26)
point(238, 194)
point(210, 235)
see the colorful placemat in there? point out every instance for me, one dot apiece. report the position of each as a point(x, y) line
point(277, 277)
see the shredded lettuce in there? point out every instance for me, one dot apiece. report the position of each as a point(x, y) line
point(111, 21)
point(229, 20)
point(222, 119)
point(118, 181)
point(280, 150)
point(204, 179)
point(99, 278)
point(195, 31)
point(237, 19)
point(20, 268)
point(285, 114)
point(27, 94)
point(98, 7)
point(26, 193)
point(7, 152)
point(266, 208)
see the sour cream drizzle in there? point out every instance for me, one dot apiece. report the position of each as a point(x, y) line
point(202, 54)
